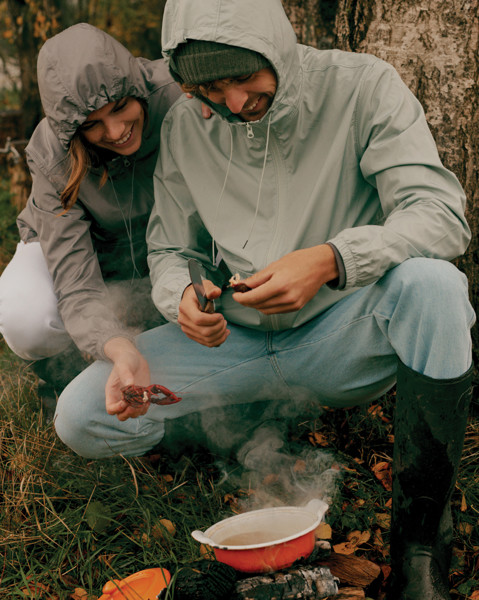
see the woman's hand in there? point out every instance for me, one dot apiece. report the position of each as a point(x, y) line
point(205, 109)
point(205, 328)
point(129, 367)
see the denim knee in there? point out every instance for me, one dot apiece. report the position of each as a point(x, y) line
point(428, 316)
point(434, 283)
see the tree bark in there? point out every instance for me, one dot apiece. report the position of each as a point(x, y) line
point(312, 20)
point(434, 45)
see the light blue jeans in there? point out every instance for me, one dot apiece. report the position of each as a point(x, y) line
point(418, 312)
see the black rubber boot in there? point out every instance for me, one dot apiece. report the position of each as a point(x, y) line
point(430, 422)
point(55, 373)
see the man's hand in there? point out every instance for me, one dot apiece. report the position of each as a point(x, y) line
point(287, 284)
point(129, 367)
point(206, 329)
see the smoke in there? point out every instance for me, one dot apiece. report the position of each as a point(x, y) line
point(269, 468)
point(281, 474)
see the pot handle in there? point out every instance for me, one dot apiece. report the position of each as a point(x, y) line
point(317, 506)
point(200, 537)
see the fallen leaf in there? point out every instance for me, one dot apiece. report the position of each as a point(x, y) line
point(35, 589)
point(163, 529)
point(344, 548)
point(207, 552)
point(463, 503)
point(379, 543)
point(299, 466)
point(355, 539)
point(358, 537)
point(318, 439)
point(81, 594)
point(383, 472)
point(383, 520)
point(474, 596)
point(323, 532)
point(466, 528)
point(98, 516)
point(270, 479)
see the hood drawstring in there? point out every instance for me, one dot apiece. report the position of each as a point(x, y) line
point(250, 134)
point(260, 181)
point(213, 258)
point(128, 225)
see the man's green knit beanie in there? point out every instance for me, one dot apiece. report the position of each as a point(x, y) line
point(197, 62)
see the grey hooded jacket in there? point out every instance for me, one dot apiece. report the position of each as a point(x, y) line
point(102, 237)
point(344, 155)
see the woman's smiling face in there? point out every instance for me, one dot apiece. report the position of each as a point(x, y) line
point(117, 126)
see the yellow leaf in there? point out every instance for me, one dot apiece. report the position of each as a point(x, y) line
point(383, 520)
point(207, 552)
point(463, 504)
point(34, 589)
point(323, 531)
point(81, 594)
point(358, 537)
point(383, 472)
point(163, 529)
point(318, 439)
point(344, 548)
point(355, 539)
point(270, 479)
point(299, 466)
point(466, 528)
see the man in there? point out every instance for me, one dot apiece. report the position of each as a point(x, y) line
point(318, 182)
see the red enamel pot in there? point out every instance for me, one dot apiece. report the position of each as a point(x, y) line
point(270, 539)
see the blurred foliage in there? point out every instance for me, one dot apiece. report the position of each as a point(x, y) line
point(137, 24)
point(26, 24)
point(8, 228)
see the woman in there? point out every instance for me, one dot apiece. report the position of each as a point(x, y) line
point(78, 283)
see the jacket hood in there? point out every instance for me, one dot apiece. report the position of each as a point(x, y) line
point(80, 70)
point(259, 25)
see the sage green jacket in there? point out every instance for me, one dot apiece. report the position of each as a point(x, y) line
point(344, 155)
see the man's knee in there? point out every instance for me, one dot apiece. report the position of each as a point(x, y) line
point(432, 282)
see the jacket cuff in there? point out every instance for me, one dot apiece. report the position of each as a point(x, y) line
point(119, 334)
point(340, 282)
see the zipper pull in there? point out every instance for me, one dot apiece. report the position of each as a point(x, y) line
point(249, 131)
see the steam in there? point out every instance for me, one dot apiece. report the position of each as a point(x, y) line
point(269, 469)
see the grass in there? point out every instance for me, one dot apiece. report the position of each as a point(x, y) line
point(68, 523)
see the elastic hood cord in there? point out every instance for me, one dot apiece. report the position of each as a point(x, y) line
point(213, 258)
point(224, 187)
point(128, 225)
point(260, 182)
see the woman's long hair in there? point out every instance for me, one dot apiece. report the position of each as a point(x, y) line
point(82, 156)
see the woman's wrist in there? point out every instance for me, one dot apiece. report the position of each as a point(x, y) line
point(118, 346)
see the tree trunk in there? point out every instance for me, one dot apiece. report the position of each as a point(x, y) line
point(31, 24)
point(434, 46)
point(312, 20)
